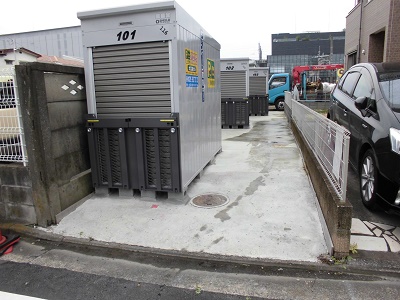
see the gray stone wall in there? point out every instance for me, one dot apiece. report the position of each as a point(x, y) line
point(53, 106)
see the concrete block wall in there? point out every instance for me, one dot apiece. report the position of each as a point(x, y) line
point(66, 104)
point(16, 195)
point(53, 106)
point(337, 213)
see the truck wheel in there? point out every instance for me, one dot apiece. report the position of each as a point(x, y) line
point(280, 104)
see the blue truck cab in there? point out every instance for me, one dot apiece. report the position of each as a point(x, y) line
point(277, 85)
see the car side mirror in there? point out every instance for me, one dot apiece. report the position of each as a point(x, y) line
point(361, 104)
point(366, 106)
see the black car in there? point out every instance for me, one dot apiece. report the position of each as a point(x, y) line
point(366, 101)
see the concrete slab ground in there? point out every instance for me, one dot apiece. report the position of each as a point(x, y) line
point(373, 236)
point(271, 214)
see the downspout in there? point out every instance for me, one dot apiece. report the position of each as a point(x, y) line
point(359, 33)
point(387, 56)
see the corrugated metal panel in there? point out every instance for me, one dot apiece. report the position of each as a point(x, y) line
point(200, 120)
point(132, 80)
point(257, 86)
point(233, 84)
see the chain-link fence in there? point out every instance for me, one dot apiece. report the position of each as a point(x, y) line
point(328, 141)
point(12, 142)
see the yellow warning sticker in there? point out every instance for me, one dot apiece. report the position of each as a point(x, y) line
point(210, 73)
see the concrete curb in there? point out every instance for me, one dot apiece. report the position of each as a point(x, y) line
point(363, 263)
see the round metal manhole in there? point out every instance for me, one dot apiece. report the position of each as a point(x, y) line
point(209, 200)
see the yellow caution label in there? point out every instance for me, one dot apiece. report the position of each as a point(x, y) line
point(167, 120)
point(93, 121)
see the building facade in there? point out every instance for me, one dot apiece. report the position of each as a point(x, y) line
point(311, 48)
point(372, 32)
point(11, 57)
point(58, 42)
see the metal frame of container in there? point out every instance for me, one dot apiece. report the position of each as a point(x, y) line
point(155, 61)
point(234, 78)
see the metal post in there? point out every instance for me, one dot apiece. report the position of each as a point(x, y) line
point(346, 145)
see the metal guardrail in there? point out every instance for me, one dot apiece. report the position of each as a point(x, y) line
point(12, 142)
point(328, 141)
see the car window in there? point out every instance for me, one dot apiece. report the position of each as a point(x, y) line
point(349, 82)
point(340, 84)
point(277, 82)
point(390, 85)
point(364, 89)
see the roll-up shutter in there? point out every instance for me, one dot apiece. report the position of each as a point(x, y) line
point(233, 84)
point(132, 80)
point(257, 86)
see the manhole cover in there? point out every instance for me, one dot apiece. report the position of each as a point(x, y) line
point(209, 200)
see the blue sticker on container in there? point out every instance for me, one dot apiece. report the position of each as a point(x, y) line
point(192, 81)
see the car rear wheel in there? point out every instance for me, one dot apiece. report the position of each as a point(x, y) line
point(369, 180)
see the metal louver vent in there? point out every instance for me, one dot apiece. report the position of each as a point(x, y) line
point(223, 113)
point(151, 158)
point(233, 84)
point(115, 161)
point(257, 86)
point(132, 80)
point(158, 158)
point(102, 157)
point(165, 158)
point(113, 164)
point(240, 112)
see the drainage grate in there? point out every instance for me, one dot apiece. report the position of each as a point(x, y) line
point(209, 200)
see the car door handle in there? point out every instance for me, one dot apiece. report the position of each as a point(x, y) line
point(364, 126)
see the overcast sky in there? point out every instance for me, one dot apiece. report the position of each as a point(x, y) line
point(238, 26)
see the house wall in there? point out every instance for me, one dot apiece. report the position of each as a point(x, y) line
point(393, 37)
point(379, 39)
point(15, 56)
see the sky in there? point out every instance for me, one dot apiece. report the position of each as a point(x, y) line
point(238, 26)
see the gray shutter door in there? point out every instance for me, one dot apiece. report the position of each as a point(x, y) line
point(257, 86)
point(132, 80)
point(233, 84)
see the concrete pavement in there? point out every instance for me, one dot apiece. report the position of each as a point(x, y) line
point(271, 213)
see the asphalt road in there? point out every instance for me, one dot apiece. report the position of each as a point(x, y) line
point(360, 211)
point(56, 270)
point(50, 283)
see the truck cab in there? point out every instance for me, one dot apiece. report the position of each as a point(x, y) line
point(277, 85)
